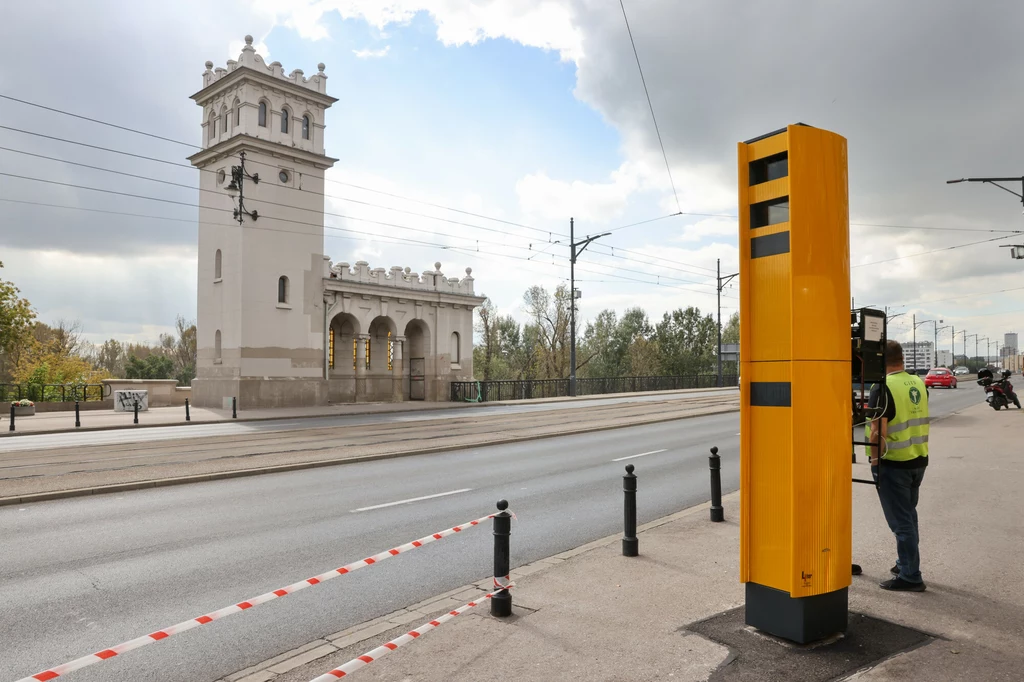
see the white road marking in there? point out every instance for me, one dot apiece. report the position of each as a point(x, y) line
point(642, 454)
point(414, 499)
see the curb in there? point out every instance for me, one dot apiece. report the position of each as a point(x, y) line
point(299, 466)
point(427, 608)
point(446, 405)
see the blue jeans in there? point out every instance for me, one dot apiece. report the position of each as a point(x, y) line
point(898, 492)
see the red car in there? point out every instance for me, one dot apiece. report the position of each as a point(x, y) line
point(940, 377)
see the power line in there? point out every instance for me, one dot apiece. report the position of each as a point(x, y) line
point(104, 123)
point(923, 253)
point(93, 146)
point(651, 106)
point(644, 222)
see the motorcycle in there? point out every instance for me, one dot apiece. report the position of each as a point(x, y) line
point(998, 392)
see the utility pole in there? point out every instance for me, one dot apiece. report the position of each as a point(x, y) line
point(573, 253)
point(722, 281)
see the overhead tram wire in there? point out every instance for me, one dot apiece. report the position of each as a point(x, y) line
point(654, 118)
point(389, 238)
point(381, 206)
point(925, 253)
point(328, 213)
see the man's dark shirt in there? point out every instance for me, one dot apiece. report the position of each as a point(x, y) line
point(890, 414)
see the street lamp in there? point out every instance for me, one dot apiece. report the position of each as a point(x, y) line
point(575, 249)
point(722, 281)
point(937, 330)
point(916, 325)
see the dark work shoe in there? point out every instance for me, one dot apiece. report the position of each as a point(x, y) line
point(901, 585)
point(895, 570)
point(856, 569)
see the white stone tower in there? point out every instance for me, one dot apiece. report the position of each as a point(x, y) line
point(260, 309)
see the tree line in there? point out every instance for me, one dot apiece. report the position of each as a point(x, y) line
point(684, 342)
point(34, 352)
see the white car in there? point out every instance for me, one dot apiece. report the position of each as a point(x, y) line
point(959, 371)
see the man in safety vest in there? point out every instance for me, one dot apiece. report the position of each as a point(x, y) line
point(898, 460)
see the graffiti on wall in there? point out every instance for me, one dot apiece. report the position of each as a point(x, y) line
point(124, 401)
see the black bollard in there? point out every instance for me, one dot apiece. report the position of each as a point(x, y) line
point(501, 602)
point(136, 411)
point(715, 464)
point(78, 419)
point(12, 416)
point(630, 543)
point(234, 408)
point(188, 417)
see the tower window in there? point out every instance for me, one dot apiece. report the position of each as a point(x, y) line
point(282, 289)
point(305, 127)
point(212, 127)
point(217, 266)
point(284, 121)
point(224, 120)
point(238, 113)
point(263, 115)
point(455, 348)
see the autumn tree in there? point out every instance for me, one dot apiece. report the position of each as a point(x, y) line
point(16, 320)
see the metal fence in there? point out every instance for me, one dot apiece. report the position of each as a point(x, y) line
point(52, 393)
point(526, 389)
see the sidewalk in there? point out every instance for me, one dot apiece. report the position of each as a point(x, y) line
point(95, 420)
point(592, 614)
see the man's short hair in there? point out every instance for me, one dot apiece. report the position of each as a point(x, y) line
point(893, 353)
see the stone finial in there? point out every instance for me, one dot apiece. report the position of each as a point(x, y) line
point(437, 266)
point(248, 40)
point(407, 269)
point(469, 272)
point(321, 68)
point(209, 65)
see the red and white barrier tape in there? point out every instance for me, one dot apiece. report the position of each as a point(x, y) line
point(371, 656)
point(55, 672)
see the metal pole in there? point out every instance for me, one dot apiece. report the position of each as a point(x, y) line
point(718, 286)
point(501, 602)
point(234, 407)
point(78, 421)
point(572, 307)
point(715, 464)
point(136, 410)
point(913, 319)
point(12, 417)
point(630, 543)
point(188, 417)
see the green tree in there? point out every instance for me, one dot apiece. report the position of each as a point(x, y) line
point(152, 367)
point(550, 314)
point(687, 341)
point(16, 320)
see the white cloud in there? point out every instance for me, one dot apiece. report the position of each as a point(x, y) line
point(546, 24)
point(372, 54)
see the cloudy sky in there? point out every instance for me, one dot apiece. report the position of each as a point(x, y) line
point(525, 111)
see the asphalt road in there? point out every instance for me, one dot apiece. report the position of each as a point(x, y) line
point(43, 441)
point(82, 574)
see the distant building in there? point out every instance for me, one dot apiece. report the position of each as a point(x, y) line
point(918, 356)
point(1010, 347)
point(945, 358)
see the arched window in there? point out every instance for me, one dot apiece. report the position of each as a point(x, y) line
point(217, 266)
point(263, 115)
point(284, 120)
point(216, 346)
point(238, 113)
point(455, 348)
point(282, 289)
point(305, 127)
point(211, 129)
point(223, 120)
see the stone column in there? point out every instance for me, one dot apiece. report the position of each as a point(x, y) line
point(361, 340)
point(397, 371)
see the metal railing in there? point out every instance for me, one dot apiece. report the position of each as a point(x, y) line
point(51, 393)
point(527, 389)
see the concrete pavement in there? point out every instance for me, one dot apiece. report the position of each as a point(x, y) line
point(593, 614)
